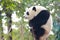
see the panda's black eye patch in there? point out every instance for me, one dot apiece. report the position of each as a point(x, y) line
point(27, 13)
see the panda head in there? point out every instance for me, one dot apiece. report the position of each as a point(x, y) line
point(33, 11)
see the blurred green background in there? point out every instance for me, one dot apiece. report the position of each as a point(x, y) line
point(14, 27)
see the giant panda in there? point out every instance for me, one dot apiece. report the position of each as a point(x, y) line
point(40, 21)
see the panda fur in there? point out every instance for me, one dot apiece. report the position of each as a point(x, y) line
point(40, 21)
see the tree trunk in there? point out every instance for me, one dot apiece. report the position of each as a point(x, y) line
point(1, 28)
point(9, 23)
point(21, 31)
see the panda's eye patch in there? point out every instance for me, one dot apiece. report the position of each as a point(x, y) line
point(27, 13)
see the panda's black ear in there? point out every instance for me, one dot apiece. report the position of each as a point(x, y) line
point(34, 8)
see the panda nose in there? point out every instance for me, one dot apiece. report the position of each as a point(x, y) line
point(24, 17)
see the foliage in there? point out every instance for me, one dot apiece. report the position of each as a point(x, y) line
point(23, 33)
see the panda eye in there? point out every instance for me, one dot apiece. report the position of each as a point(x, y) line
point(27, 13)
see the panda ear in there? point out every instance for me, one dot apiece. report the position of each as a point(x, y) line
point(34, 8)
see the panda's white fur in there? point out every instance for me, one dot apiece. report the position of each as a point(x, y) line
point(48, 27)
point(32, 14)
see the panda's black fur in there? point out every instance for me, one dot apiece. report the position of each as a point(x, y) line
point(38, 21)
